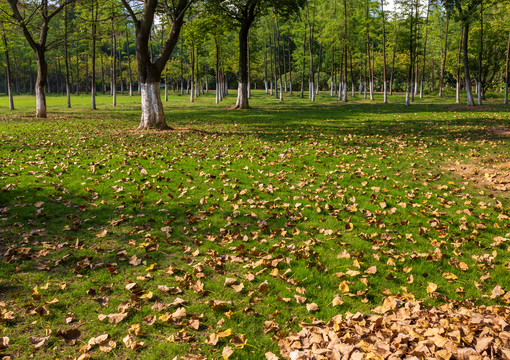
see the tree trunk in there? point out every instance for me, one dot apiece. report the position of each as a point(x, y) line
point(114, 68)
point(310, 49)
point(242, 93)
point(290, 65)
point(130, 74)
point(457, 91)
point(8, 74)
point(265, 66)
point(303, 68)
point(192, 80)
point(393, 63)
point(77, 72)
point(16, 83)
point(40, 84)
point(441, 79)
point(507, 80)
point(467, 78)
point(152, 107)
point(424, 51)
point(385, 90)
point(368, 55)
point(479, 85)
point(66, 59)
point(93, 79)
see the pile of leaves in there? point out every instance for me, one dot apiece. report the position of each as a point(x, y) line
point(406, 330)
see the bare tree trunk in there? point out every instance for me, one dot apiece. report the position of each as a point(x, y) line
point(103, 81)
point(344, 85)
point(166, 87)
point(114, 69)
point(507, 80)
point(218, 70)
point(192, 81)
point(310, 49)
point(265, 66)
point(40, 83)
point(368, 56)
point(424, 51)
point(319, 69)
point(441, 79)
point(393, 63)
point(66, 59)
point(130, 74)
point(290, 65)
point(277, 57)
point(93, 80)
point(8, 73)
point(480, 90)
point(16, 83)
point(467, 78)
point(242, 92)
point(284, 66)
point(77, 72)
point(385, 90)
point(457, 94)
point(303, 68)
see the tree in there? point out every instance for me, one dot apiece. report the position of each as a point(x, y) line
point(465, 12)
point(37, 43)
point(149, 70)
point(244, 13)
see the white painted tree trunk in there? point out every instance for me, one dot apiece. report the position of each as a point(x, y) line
point(192, 93)
point(265, 85)
point(242, 96)
point(479, 92)
point(40, 101)
point(457, 94)
point(153, 116)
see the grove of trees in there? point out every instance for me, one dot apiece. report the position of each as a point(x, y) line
point(347, 47)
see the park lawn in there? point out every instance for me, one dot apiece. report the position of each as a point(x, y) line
point(228, 229)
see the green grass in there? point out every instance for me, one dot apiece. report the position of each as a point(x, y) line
point(285, 185)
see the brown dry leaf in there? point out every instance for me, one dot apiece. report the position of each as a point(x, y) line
point(238, 288)
point(107, 346)
point(371, 270)
point(463, 266)
point(312, 307)
point(337, 300)
point(227, 351)
point(230, 281)
point(225, 333)
point(239, 341)
point(4, 342)
point(431, 287)
point(271, 356)
point(179, 314)
point(135, 329)
point(102, 234)
point(131, 343)
point(116, 318)
point(70, 336)
point(212, 339)
point(38, 341)
point(497, 292)
point(300, 299)
point(178, 301)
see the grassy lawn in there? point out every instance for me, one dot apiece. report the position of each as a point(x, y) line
point(236, 226)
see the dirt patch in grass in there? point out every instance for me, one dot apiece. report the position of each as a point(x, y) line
point(501, 131)
point(491, 173)
point(470, 108)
